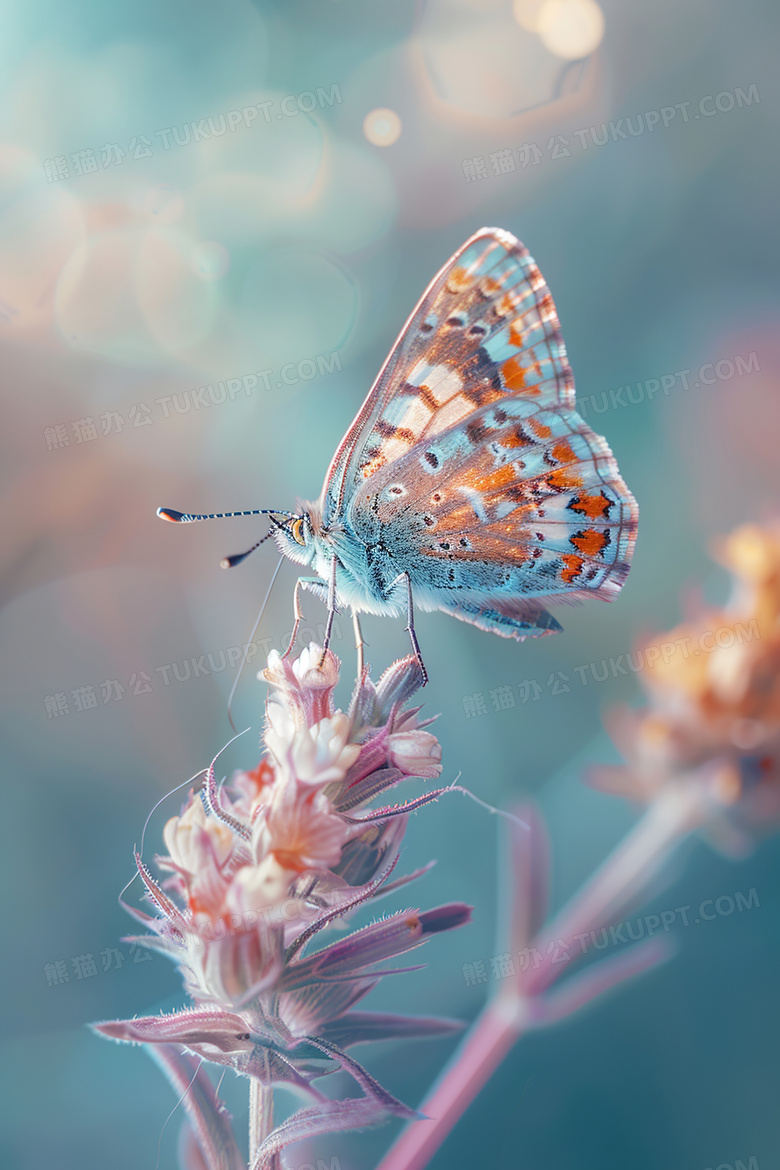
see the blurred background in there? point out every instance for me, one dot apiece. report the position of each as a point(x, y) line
point(213, 222)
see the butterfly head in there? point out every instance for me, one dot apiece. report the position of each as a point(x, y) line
point(295, 537)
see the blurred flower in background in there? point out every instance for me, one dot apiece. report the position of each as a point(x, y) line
point(713, 685)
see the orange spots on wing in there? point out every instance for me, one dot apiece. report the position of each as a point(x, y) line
point(372, 465)
point(507, 304)
point(564, 478)
point(516, 438)
point(562, 452)
point(591, 542)
point(492, 481)
point(454, 522)
point(514, 374)
point(594, 507)
point(540, 429)
point(458, 280)
point(572, 567)
point(515, 335)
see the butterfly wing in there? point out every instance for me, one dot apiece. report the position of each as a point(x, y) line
point(468, 466)
point(486, 327)
point(514, 503)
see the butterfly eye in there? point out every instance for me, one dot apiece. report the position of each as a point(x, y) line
point(296, 528)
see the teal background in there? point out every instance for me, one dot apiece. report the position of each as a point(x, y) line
point(294, 239)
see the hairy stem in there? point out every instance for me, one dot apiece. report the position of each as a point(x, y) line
point(261, 1117)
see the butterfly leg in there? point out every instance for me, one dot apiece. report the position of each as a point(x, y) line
point(331, 610)
point(410, 622)
point(314, 585)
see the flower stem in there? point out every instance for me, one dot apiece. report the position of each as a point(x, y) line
point(625, 874)
point(261, 1115)
point(675, 813)
point(489, 1040)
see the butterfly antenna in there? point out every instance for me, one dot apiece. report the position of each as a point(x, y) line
point(189, 517)
point(251, 639)
point(237, 558)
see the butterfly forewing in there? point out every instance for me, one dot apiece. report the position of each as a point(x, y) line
point(486, 328)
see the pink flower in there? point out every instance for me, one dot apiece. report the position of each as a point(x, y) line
point(255, 872)
point(415, 753)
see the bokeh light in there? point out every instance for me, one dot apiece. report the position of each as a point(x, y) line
point(570, 28)
point(486, 61)
point(382, 127)
point(527, 13)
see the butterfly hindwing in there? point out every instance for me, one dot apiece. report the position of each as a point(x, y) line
point(517, 501)
point(486, 328)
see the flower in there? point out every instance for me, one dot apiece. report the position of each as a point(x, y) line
point(415, 753)
point(713, 685)
point(255, 870)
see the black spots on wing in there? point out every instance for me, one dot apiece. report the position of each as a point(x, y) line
point(476, 432)
point(432, 458)
point(520, 437)
point(387, 431)
point(477, 370)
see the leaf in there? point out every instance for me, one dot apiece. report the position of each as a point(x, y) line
point(223, 1030)
point(207, 1115)
point(365, 1027)
point(314, 1121)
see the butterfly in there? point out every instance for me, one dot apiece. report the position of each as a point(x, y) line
point(467, 482)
